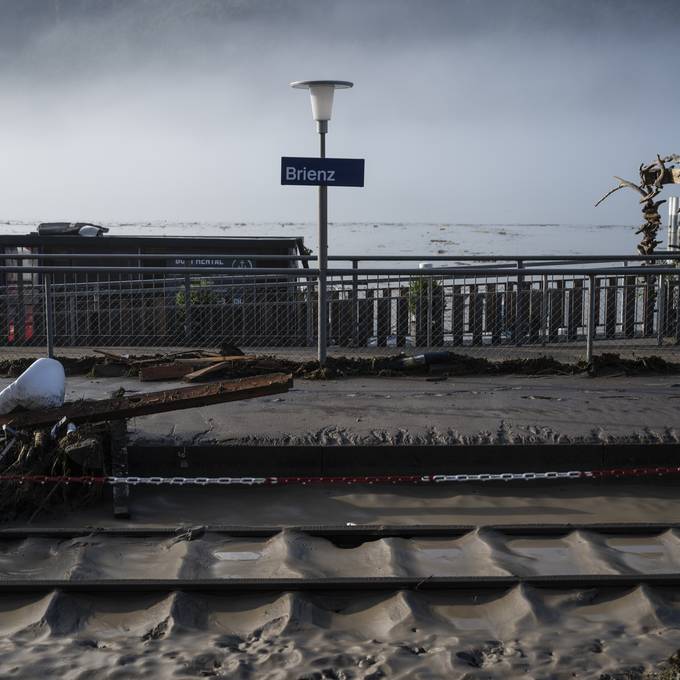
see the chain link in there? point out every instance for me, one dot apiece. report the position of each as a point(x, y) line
point(510, 476)
point(615, 473)
point(189, 481)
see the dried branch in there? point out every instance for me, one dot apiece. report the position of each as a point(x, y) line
point(622, 184)
point(653, 177)
point(608, 194)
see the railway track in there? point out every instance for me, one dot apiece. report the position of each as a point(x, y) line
point(353, 584)
point(372, 597)
point(233, 559)
point(353, 532)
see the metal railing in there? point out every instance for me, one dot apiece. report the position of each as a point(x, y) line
point(491, 303)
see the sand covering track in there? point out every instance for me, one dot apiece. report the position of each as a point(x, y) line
point(497, 633)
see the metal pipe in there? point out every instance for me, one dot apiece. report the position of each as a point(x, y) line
point(673, 221)
point(149, 256)
point(49, 319)
point(660, 255)
point(311, 273)
point(323, 255)
point(429, 312)
point(187, 309)
point(355, 303)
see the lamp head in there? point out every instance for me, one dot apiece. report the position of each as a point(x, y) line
point(321, 93)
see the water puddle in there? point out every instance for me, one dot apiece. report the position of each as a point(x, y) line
point(237, 556)
point(543, 550)
point(648, 549)
point(440, 553)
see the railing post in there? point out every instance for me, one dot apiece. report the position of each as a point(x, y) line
point(661, 297)
point(355, 303)
point(590, 337)
point(518, 329)
point(544, 310)
point(677, 310)
point(49, 316)
point(310, 312)
point(187, 309)
point(429, 311)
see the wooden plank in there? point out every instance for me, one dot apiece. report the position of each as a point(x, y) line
point(154, 402)
point(118, 358)
point(207, 361)
point(201, 373)
point(172, 371)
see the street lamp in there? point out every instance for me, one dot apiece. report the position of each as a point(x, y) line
point(321, 93)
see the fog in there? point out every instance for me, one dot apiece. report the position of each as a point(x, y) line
point(465, 111)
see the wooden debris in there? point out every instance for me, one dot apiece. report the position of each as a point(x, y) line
point(653, 176)
point(110, 370)
point(117, 358)
point(154, 402)
point(171, 371)
point(207, 361)
point(201, 373)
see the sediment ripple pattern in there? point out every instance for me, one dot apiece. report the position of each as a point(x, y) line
point(497, 633)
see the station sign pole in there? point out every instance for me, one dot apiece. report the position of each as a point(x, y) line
point(323, 253)
point(323, 173)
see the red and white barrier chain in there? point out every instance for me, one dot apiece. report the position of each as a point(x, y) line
point(611, 473)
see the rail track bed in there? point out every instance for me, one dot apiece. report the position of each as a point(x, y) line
point(365, 601)
point(335, 558)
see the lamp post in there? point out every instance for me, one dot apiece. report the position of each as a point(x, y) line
point(321, 93)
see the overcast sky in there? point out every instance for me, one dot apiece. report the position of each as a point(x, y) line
point(478, 111)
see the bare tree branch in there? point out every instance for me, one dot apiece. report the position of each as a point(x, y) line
point(608, 194)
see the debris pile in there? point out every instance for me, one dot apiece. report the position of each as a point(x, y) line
point(84, 438)
point(61, 450)
point(202, 365)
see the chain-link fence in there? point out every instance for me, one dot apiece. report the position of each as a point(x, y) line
point(480, 309)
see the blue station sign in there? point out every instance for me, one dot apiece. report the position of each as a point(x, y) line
point(330, 172)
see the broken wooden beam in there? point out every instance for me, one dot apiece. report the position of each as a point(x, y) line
point(196, 376)
point(207, 361)
point(182, 367)
point(172, 371)
point(154, 402)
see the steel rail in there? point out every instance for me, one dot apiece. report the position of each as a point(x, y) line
point(358, 532)
point(376, 583)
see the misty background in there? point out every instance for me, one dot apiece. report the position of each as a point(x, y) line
point(466, 111)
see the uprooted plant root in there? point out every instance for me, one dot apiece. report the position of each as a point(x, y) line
point(37, 455)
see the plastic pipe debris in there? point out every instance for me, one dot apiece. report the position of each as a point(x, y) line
point(40, 386)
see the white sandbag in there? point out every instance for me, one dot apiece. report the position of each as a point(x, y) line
point(41, 385)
